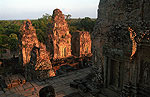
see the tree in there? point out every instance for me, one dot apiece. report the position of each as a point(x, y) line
point(46, 16)
point(41, 35)
point(13, 36)
point(2, 30)
point(72, 28)
point(87, 24)
point(13, 43)
point(43, 27)
point(12, 28)
point(67, 17)
point(4, 40)
point(3, 43)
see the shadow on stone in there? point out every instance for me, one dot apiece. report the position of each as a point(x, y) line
point(47, 91)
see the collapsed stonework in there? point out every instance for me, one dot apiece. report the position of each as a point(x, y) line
point(41, 65)
point(118, 47)
point(81, 43)
point(34, 55)
point(61, 38)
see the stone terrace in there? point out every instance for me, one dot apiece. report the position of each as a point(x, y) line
point(60, 83)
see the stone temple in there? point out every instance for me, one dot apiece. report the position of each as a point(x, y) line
point(120, 55)
point(28, 41)
point(36, 62)
point(36, 57)
point(61, 38)
point(120, 44)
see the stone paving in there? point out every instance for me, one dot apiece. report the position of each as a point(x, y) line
point(60, 83)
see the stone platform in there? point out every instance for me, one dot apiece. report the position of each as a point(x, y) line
point(60, 83)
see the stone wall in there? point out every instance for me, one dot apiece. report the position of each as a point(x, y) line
point(114, 19)
point(81, 43)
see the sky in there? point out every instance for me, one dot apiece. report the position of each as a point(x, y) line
point(34, 9)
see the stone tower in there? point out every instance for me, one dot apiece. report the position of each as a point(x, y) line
point(28, 41)
point(60, 36)
point(36, 62)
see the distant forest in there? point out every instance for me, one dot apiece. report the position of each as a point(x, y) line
point(9, 29)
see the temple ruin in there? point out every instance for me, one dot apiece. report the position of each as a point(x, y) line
point(81, 43)
point(61, 38)
point(34, 55)
point(28, 41)
point(121, 47)
point(120, 56)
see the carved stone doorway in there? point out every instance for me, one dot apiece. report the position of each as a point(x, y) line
point(115, 73)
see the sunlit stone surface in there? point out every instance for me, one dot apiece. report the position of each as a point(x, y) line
point(60, 36)
point(34, 55)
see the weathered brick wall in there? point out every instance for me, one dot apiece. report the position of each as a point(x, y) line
point(81, 43)
point(85, 43)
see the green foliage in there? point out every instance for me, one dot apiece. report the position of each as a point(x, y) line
point(13, 44)
point(12, 28)
point(8, 27)
point(43, 27)
point(41, 35)
point(10, 42)
point(2, 30)
point(72, 28)
point(85, 24)
point(67, 17)
point(13, 36)
point(4, 40)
